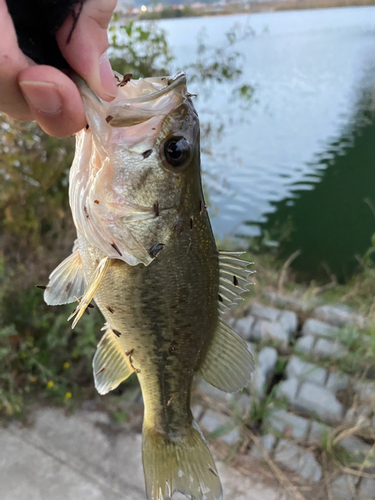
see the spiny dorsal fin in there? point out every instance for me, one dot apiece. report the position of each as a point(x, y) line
point(233, 278)
point(91, 289)
point(228, 364)
point(111, 365)
point(67, 281)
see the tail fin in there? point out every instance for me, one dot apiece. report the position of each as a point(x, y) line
point(182, 464)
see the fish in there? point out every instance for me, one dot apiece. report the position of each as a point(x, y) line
point(146, 254)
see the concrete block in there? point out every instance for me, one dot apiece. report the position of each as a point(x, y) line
point(339, 316)
point(343, 488)
point(289, 321)
point(328, 349)
point(266, 330)
point(359, 450)
point(264, 312)
point(366, 489)
point(318, 432)
point(288, 424)
point(365, 389)
point(305, 344)
point(320, 329)
point(288, 389)
point(214, 421)
point(337, 382)
point(320, 401)
point(362, 411)
point(296, 459)
point(243, 327)
point(268, 442)
point(286, 301)
point(267, 359)
point(304, 371)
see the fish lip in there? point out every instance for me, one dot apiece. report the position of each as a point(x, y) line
point(172, 82)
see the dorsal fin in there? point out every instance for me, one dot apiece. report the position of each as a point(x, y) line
point(67, 281)
point(234, 281)
point(228, 364)
point(111, 365)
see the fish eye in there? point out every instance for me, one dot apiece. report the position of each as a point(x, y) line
point(177, 152)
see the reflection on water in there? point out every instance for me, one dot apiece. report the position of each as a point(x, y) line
point(302, 156)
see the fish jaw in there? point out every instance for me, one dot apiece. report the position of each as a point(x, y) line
point(118, 187)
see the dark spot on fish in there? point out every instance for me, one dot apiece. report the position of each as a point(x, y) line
point(109, 118)
point(191, 223)
point(117, 333)
point(155, 249)
point(97, 202)
point(156, 208)
point(220, 298)
point(235, 281)
point(101, 370)
point(178, 225)
point(113, 245)
point(42, 287)
point(125, 80)
point(86, 212)
point(117, 78)
point(91, 306)
point(110, 309)
point(87, 312)
point(153, 128)
point(191, 95)
point(87, 126)
point(169, 82)
point(68, 286)
point(129, 353)
point(147, 153)
point(161, 79)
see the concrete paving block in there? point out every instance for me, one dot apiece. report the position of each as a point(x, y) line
point(288, 388)
point(243, 327)
point(302, 370)
point(337, 382)
point(268, 442)
point(289, 321)
point(365, 389)
point(318, 432)
point(339, 316)
point(366, 489)
point(288, 424)
point(259, 383)
point(256, 332)
point(305, 344)
point(359, 450)
point(296, 459)
point(213, 421)
point(286, 301)
point(267, 330)
point(320, 401)
point(264, 312)
point(343, 488)
point(320, 329)
point(328, 349)
point(267, 359)
point(362, 411)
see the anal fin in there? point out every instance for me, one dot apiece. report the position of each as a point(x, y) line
point(228, 364)
point(66, 282)
point(91, 289)
point(110, 365)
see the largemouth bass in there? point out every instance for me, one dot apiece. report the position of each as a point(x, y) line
point(146, 254)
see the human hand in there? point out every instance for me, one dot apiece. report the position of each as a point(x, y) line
point(43, 93)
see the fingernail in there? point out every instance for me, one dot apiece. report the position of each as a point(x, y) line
point(106, 76)
point(43, 96)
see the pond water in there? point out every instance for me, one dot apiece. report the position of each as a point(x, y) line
point(297, 166)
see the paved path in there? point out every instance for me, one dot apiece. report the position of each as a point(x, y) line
point(83, 457)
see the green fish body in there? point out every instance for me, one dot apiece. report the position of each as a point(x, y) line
point(146, 254)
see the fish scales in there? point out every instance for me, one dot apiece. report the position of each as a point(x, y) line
point(147, 256)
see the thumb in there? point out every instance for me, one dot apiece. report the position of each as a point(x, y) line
point(83, 42)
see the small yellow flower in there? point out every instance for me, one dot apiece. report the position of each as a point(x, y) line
point(66, 365)
point(68, 395)
point(23, 355)
point(50, 384)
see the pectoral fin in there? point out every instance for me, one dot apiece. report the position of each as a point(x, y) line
point(234, 280)
point(228, 364)
point(66, 282)
point(91, 289)
point(111, 365)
